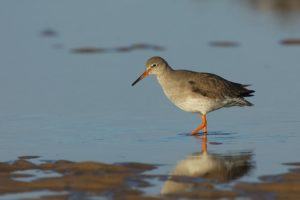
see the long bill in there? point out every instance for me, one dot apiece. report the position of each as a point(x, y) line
point(144, 75)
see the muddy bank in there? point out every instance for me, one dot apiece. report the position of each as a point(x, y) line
point(84, 180)
point(282, 186)
point(92, 179)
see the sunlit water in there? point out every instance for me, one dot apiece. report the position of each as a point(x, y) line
point(61, 105)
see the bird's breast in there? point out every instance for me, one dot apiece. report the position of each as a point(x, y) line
point(183, 97)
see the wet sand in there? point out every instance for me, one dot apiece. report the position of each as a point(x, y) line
point(281, 186)
point(85, 180)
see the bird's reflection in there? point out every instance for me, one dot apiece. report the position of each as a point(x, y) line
point(206, 168)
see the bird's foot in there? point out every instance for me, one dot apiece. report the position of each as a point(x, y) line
point(197, 131)
point(202, 126)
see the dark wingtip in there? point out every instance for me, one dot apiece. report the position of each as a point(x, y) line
point(246, 92)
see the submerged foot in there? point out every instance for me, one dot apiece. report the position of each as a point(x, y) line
point(197, 132)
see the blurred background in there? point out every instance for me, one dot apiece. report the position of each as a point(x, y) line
point(66, 69)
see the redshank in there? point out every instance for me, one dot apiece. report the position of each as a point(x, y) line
point(196, 92)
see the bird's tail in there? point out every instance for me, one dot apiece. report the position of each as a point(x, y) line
point(247, 103)
point(239, 102)
point(241, 91)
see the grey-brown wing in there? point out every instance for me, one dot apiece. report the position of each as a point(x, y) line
point(214, 86)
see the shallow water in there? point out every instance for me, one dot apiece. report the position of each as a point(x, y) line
point(61, 105)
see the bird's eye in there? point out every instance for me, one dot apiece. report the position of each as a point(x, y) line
point(153, 65)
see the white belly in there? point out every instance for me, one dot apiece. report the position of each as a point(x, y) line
point(202, 105)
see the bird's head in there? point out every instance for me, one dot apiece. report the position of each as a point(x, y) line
point(154, 65)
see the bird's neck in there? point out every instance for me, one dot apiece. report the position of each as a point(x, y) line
point(164, 75)
point(165, 72)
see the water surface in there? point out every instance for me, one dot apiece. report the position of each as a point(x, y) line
point(61, 105)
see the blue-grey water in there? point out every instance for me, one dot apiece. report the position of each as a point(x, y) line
point(61, 105)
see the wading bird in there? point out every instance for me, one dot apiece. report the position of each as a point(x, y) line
point(196, 92)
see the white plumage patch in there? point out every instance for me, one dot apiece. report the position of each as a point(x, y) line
point(202, 105)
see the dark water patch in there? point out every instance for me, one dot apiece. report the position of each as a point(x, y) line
point(220, 133)
point(224, 44)
point(215, 143)
point(285, 12)
point(296, 164)
point(121, 49)
point(49, 32)
point(88, 50)
point(185, 134)
point(210, 133)
point(28, 157)
point(290, 42)
point(190, 134)
point(277, 6)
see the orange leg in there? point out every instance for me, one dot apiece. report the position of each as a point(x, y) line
point(203, 126)
point(204, 144)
